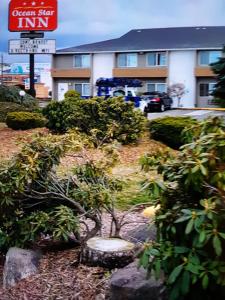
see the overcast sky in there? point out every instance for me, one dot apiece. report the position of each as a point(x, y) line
point(85, 21)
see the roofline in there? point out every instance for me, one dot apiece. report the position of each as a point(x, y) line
point(143, 50)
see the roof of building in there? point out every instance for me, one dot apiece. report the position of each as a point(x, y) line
point(158, 39)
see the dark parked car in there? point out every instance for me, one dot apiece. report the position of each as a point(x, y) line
point(157, 101)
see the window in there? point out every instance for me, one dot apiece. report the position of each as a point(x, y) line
point(127, 60)
point(82, 61)
point(206, 89)
point(156, 87)
point(157, 59)
point(83, 89)
point(208, 57)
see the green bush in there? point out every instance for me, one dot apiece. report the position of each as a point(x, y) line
point(72, 94)
point(190, 245)
point(110, 119)
point(169, 130)
point(7, 107)
point(107, 119)
point(25, 120)
point(57, 113)
point(11, 94)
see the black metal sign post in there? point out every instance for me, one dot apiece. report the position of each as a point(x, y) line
point(32, 35)
point(32, 91)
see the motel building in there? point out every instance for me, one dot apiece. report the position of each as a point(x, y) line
point(158, 57)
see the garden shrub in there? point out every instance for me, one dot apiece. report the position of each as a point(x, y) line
point(190, 244)
point(110, 119)
point(11, 94)
point(25, 120)
point(72, 94)
point(57, 113)
point(7, 107)
point(106, 119)
point(35, 201)
point(168, 130)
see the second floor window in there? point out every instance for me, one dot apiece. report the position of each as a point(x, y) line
point(156, 59)
point(127, 60)
point(82, 61)
point(208, 57)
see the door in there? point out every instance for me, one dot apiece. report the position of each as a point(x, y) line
point(62, 89)
point(205, 88)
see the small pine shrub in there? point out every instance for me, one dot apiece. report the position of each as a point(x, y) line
point(169, 130)
point(25, 120)
point(72, 94)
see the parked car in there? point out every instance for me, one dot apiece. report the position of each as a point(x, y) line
point(156, 101)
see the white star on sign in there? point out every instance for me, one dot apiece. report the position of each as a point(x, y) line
point(42, 3)
point(24, 3)
point(33, 3)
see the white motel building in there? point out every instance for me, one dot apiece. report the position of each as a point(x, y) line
point(158, 57)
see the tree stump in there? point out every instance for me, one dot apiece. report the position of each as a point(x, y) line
point(108, 252)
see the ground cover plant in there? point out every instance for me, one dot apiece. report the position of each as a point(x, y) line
point(190, 243)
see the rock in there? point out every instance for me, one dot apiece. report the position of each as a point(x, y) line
point(19, 264)
point(141, 234)
point(131, 283)
point(108, 252)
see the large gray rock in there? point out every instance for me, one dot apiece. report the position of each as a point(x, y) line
point(19, 264)
point(131, 283)
point(141, 234)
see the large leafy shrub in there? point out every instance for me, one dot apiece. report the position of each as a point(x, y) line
point(190, 245)
point(169, 130)
point(25, 120)
point(34, 200)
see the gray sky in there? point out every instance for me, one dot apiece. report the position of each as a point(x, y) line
point(84, 21)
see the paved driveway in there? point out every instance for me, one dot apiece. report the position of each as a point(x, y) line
point(197, 114)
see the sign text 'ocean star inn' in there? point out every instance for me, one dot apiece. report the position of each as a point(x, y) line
point(33, 15)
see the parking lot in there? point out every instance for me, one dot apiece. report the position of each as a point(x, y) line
point(197, 114)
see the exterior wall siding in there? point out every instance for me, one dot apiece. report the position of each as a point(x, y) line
point(182, 70)
point(103, 65)
point(70, 81)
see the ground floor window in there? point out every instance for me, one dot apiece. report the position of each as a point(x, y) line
point(156, 87)
point(206, 89)
point(83, 88)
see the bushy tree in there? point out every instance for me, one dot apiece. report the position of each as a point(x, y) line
point(219, 69)
point(177, 90)
point(190, 245)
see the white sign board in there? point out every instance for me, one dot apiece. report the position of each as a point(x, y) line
point(28, 46)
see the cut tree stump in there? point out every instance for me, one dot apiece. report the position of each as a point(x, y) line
point(108, 252)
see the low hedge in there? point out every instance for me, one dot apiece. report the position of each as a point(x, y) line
point(25, 120)
point(168, 130)
point(7, 107)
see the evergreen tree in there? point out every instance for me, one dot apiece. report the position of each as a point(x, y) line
point(219, 69)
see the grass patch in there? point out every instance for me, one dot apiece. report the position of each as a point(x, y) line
point(132, 193)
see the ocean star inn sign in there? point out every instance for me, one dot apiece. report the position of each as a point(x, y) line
point(32, 15)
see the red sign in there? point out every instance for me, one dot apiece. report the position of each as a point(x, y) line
point(33, 15)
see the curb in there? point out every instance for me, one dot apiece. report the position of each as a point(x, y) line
point(200, 108)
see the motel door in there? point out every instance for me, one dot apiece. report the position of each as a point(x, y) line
point(62, 89)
